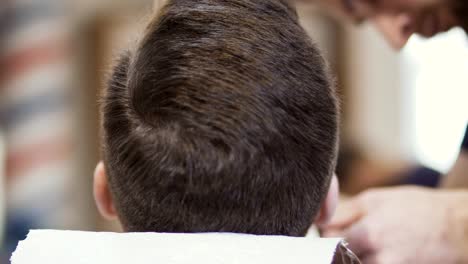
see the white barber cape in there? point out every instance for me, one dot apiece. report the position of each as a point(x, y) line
point(73, 247)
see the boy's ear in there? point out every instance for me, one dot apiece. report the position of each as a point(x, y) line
point(329, 204)
point(102, 194)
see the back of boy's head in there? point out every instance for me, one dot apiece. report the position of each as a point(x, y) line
point(224, 119)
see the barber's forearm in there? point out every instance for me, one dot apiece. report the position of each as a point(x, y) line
point(457, 178)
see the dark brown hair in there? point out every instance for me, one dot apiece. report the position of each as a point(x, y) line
point(224, 119)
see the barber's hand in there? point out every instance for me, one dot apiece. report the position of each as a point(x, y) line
point(405, 225)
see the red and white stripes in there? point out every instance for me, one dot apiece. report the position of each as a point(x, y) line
point(36, 113)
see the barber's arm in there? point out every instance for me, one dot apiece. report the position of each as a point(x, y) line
point(458, 176)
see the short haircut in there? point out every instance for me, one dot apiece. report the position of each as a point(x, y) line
point(223, 119)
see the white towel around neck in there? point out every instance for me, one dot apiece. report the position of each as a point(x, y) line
point(75, 247)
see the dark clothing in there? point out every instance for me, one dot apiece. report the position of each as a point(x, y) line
point(465, 141)
point(422, 176)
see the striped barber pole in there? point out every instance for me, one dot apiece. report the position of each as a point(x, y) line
point(36, 117)
point(2, 188)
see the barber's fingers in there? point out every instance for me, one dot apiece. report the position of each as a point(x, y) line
point(383, 257)
point(370, 259)
point(347, 213)
point(360, 239)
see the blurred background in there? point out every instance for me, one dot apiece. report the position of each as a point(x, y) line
point(404, 113)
